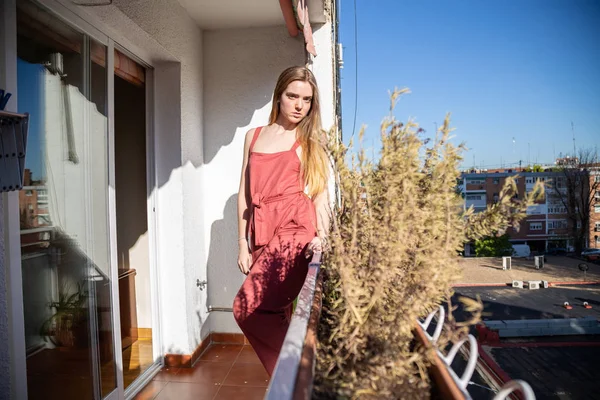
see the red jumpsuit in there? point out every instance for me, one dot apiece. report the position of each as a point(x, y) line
point(282, 223)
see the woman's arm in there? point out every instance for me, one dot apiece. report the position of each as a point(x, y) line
point(244, 258)
point(323, 210)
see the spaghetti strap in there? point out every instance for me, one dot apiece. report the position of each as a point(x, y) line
point(295, 146)
point(256, 133)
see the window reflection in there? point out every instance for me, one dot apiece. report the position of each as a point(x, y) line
point(62, 82)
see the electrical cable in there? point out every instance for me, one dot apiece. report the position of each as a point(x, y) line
point(355, 69)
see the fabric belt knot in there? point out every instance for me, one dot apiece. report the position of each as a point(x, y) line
point(263, 229)
point(257, 199)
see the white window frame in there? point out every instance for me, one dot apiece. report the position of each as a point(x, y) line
point(535, 226)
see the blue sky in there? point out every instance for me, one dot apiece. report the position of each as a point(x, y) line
point(504, 69)
point(30, 81)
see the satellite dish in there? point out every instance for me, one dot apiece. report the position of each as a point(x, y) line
point(583, 267)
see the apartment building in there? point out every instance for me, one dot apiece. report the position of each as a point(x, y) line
point(547, 224)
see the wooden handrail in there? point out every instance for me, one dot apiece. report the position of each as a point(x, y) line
point(438, 370)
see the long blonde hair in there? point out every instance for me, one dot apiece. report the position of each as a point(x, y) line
point(309, 131)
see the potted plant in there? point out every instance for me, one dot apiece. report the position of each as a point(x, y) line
point(397, 228)
point(67, 327)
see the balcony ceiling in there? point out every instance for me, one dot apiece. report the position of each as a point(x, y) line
point(228, 14)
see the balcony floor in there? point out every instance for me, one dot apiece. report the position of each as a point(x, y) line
point(224, 371)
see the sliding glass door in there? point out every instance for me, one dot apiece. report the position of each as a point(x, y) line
point(64, 210)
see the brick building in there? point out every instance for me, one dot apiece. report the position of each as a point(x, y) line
point(33, 203)
point(547, 224)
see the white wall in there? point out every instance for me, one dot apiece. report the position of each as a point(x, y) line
point(323, 68)
point(240, 71)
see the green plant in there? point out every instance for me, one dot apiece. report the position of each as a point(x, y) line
point(493, 246)
point(66, 327)
point(396, 232)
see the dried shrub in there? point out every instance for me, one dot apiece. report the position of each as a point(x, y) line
point(396, 232)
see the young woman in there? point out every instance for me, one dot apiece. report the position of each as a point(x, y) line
point(282, 208)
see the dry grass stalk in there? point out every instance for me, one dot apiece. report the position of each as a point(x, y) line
point(395, 238)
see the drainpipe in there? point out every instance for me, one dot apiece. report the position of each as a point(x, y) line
point(288, 15)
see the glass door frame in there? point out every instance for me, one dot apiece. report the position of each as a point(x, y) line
point(77, 19)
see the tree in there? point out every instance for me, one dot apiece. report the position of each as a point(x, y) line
point(574, 186)
point(493, 246)
point(535, 168)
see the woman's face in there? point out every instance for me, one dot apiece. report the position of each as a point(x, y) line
point(296, 100)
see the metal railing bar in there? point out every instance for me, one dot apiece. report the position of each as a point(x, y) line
point(283, 381)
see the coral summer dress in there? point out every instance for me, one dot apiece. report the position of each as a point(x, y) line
point(282, 223)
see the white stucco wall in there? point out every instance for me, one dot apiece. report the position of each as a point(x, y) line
point(240, 71)
point(323, 68)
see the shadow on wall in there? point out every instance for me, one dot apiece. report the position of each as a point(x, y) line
point(222, 265)
point(241, 68)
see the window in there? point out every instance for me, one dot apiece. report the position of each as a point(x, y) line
point(496, 181)
point(474, 197)
point(28, 193)
point(535, 226)
point(30, 207)
point(597, 227)
point(597, 208)
point(476, 181)
point(557, 210)
point(557, 224)
point(578, 224)
point(529, 180)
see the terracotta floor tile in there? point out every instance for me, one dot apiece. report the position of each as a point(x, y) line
point(210, 372)
point(221, 352)
point(151, 390)
point(247, 375)
point(187, 391)
point(248, 355)
point(241, 393)
point(166, 374)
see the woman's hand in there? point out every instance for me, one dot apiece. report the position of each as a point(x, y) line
point(244, 258)
point(315, 245)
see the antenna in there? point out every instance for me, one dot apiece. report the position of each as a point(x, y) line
point(573, 130)
point(513, 147)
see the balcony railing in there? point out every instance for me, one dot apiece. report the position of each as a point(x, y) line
point(294, 372)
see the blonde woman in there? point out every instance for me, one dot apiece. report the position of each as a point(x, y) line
point(282, 208)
